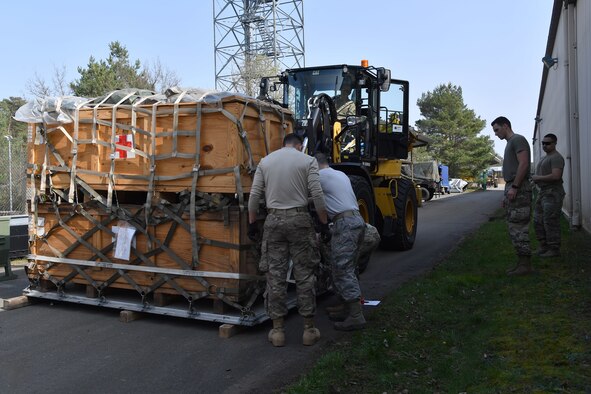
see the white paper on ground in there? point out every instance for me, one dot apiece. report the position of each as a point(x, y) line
point(371, 303)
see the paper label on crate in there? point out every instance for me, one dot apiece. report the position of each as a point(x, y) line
point(40, 227)
point(39, 140)
point(124, 140)
point(125, 239)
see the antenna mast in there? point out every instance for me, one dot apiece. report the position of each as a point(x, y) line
point(246, 31)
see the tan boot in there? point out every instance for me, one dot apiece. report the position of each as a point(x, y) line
point(277, 334)
point(355, 320)
point(523, 268)
point(311, 333)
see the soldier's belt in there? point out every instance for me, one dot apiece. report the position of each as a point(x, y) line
point(277, 211)
point(345, 214)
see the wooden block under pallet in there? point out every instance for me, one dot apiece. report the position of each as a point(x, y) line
point(163, 299)
point(14, 303)
point(91, 292)
point(228, 330)
point(129, 316)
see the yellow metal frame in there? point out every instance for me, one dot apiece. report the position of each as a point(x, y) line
point(336, 147)
point(389, 169)
point(385, 199)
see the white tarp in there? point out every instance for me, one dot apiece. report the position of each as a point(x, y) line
point(61, 110)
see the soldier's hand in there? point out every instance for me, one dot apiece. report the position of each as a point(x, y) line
point(325, 234)
point(253, 232)
point(511, 194)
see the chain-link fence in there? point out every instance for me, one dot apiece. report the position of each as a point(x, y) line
point(13, 177)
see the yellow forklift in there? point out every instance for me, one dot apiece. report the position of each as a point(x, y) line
point(358, 117)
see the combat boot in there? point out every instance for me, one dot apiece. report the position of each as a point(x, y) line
point(311, 333)
point(550, 252)
point(335, 308)
point(340, 314)
point(523, 268)
point(509, 270)
point(355, 319)
point(543, 248)
point(277, 333)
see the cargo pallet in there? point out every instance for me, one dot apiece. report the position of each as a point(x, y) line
point(140, 204)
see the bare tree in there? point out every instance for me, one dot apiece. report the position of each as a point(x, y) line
point(38, 87)
point(161, 77)
point(253, 69)
point(60, 85)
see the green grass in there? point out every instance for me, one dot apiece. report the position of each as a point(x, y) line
point(468, 327)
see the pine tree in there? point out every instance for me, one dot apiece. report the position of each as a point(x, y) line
point(455, 130)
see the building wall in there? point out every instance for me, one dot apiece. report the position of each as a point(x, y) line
point(572, 127)
point(554, 113)
point(584, 96)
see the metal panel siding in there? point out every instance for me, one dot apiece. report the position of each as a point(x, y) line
point(584, 97)
point(554, 111)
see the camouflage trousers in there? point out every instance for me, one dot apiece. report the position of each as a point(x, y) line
point(345, 245)
point(371, 240)
point(285, 236)
point(518, 213)
point(547, 213)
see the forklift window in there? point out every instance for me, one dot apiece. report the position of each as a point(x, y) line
point(393, 123)
point(392, 110)
point(306, 84)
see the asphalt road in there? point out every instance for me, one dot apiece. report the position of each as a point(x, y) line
point(68, 348)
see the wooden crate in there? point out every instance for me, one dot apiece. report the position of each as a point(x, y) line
point(164, 136)
point(233, 252)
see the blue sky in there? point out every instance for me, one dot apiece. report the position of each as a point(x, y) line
point(492, 49)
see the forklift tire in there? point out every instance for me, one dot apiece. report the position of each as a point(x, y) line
point(425, 194)
point(404, 227)
point(364, 194)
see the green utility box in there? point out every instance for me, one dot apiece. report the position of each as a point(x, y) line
point(5, 248)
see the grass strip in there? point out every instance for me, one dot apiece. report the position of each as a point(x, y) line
point(466, 327)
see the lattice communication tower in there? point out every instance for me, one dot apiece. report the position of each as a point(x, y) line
point(251, 29)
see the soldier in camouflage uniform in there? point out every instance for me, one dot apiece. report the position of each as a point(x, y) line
point(548, 179)
point(286, 178)
point(371, 240)
point(518, 192)
point(348, 233)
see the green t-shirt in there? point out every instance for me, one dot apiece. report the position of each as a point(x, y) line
point(545, 166)
point(517, 143)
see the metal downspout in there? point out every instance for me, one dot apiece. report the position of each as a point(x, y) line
point(573, 113)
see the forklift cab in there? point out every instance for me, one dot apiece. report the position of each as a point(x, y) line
point(351, 113)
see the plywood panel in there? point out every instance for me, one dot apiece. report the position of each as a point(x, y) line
point(234, 256)
point(173, 146)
